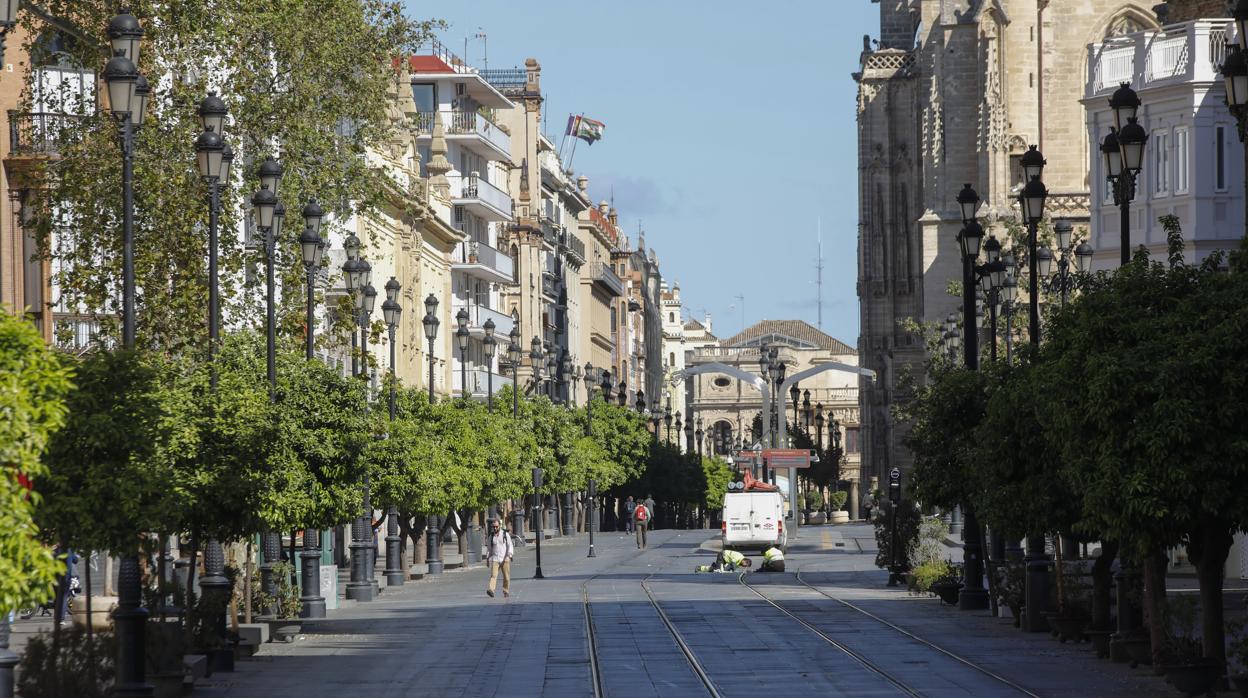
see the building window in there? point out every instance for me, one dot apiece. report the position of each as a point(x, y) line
point(851, 439)
point(1181, 156)
point(1219, 158)
point(425, 95)
point(1160, 147)
point(671, 317)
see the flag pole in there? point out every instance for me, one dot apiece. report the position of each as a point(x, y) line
point(564, 140)
point(575, 138)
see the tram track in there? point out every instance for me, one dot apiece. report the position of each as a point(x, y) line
point(854, 654)
point(592, 636)
point(927, 643)
point(867, 663)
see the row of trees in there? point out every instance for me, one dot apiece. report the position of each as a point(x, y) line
point(1126, 427)
point(147, 446)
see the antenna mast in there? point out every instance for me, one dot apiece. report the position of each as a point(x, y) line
point(819, 273)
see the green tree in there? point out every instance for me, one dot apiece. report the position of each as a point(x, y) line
point(1147, 385)
point(34, 382)
point(112, 469)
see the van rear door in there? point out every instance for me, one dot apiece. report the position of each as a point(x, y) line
point(738, 526)
point(764, 517)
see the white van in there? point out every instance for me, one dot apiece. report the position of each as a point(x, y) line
point(753, 520)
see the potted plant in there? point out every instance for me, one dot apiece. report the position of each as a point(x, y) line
point(837, 501)
point(812, 500)
point(948, 584)
point(1183, 661)
point(286, 624)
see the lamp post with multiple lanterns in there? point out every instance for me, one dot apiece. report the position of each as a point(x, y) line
point(391, 311)
point(1123, 153)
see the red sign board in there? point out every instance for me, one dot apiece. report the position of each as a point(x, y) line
point(786, 457)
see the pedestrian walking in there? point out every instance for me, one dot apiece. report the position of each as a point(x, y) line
point(499, 551)
point(650, 505)
point(629, 506)
point(641, 521)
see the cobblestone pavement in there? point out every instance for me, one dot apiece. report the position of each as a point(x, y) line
point(445, 637)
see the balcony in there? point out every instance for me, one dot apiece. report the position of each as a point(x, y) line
point(471, 129)
point(478, 314)
point(482, 261)
point(1175, 54)
point(483, 199)
point(478, 382)
point(602, 274)
point(550, 286)
point(40, 133)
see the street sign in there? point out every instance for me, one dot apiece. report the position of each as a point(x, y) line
point(786, 457)
point(895, 474)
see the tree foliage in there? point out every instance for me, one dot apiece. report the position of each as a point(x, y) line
point(34, 381)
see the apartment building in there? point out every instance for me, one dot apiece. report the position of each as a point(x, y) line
point(602, 288)
point(466, 154)
point(1193, 163)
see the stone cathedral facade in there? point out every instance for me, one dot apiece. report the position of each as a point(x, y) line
point(951, 92)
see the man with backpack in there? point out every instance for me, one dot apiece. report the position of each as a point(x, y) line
point(629, 506)
point(641, 521)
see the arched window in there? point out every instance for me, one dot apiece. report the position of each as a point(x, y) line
point(671, 359)
point(671, 317)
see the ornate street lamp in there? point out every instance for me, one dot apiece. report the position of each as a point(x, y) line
point(430, 323)
point(689, 444)
point(391, 311)
point(607, 385)
point(699, 434)
point(667, 418)
point(461, 340)
point(490, 343)
point(621, 394)
point(1032, 199)
point(819, 424)
point(806, 409)
point(311, 248)
point(515, 356)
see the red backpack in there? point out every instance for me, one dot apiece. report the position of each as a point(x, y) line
point(641, 513)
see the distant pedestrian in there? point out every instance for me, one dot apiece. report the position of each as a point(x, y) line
point(629, 506)
point(641, 521)
point(650, 506)
point(499, 549)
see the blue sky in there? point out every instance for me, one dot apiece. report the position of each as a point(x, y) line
point(730, 132)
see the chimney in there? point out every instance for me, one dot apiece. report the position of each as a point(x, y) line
point(612, 217)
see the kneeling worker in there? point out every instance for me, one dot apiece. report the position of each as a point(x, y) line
point(773, 560)
point(725, 561)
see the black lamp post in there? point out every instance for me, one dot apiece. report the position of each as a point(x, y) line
point(312, 248)
point(361, 587)
point(1235, 79)
point(795, 394)
point(639, 401)
point(699, 434)
point(430, 323)
point(126, 102)
point(607, 386)
point(667, 418)
point(591, 521)
point(973, 596)
point(690, 446)
point(1032, 200)
point(515, 355)
point(270, 215)
point(588, 377)
point(537, 509)
point(490, 345)
point(433, 526)
point(1123, 151)
point(621, 394)
point(461, 340)
point(819, 424)
point(391, 311)
point(807, 410)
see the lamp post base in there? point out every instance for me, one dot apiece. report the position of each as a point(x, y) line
point(895, 576)
point(1035, 595)
point(361, 592)
point(313, 604)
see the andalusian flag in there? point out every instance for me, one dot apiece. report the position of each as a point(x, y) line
point(585, 128)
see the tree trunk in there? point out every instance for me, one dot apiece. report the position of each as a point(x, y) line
point(1155, 602)
point(1208, 550)
point(1102, 578)
point(418, 533)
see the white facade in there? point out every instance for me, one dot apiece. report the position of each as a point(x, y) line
point(463, 104)
point(1193, 161)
